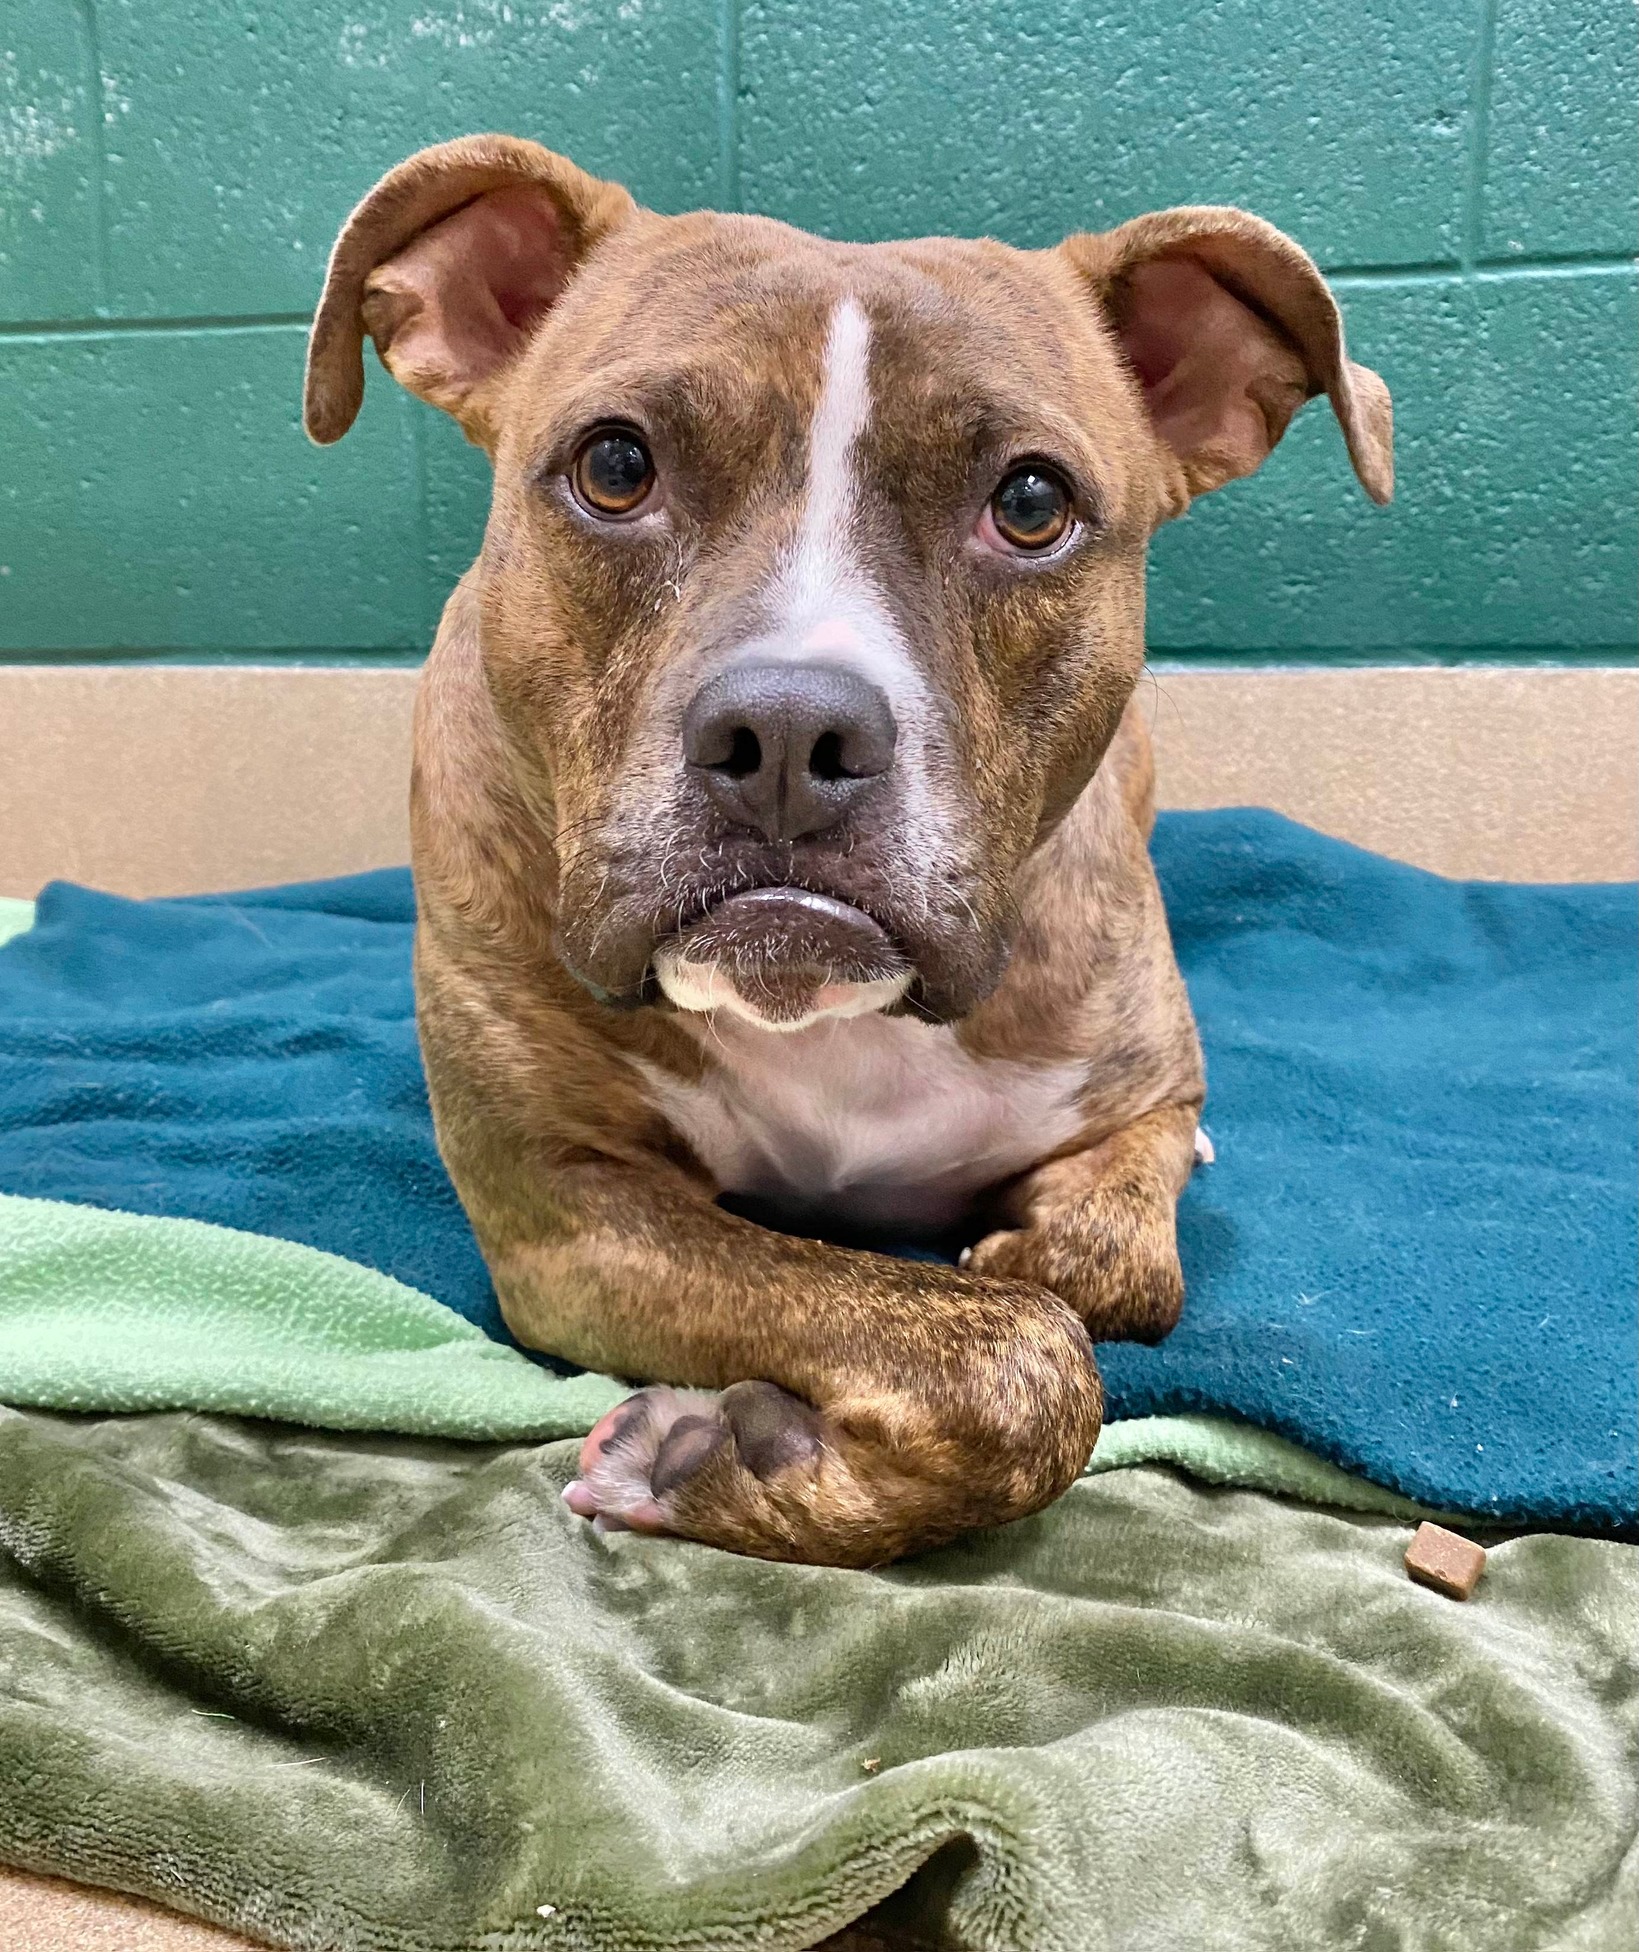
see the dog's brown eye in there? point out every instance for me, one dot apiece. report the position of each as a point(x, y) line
point(613, 473)
point(1031, 509)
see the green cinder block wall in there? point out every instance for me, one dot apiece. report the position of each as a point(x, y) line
point(172, 173)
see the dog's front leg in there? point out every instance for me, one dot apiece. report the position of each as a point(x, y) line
point(848, 1407)
point(1098, 1227)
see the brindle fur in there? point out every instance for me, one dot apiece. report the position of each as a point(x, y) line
point(556, 840)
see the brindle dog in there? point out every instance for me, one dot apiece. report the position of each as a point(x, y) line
point(780, 809)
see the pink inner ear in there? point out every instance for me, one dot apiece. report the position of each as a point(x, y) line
point(460, 301)
point(1219, 382)
point(1154, 335)
point(518, 246)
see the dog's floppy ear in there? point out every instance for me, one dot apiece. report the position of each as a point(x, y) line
point(1229, 327)
point(449, 264)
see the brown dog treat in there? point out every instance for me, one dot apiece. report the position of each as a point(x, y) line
point(1451, 1565)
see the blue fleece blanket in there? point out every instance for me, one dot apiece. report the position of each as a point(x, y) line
point(1415, 1254)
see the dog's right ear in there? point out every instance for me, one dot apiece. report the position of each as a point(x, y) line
point(449, 264)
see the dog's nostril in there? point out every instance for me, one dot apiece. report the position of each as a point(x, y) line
point(745, 756)
point(825, 761)
point(745, 753)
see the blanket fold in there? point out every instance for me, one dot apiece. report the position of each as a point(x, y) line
point(371, 1693)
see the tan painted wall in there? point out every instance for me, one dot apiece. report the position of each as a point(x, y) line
point(175, 779)
point(1490, 774)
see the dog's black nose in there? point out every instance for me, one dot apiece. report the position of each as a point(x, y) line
point(788, 748)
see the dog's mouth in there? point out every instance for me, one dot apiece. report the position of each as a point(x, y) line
point(783, 958)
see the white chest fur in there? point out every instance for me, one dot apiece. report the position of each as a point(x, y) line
point(874, 1121)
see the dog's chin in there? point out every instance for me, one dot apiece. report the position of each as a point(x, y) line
point(782, 959)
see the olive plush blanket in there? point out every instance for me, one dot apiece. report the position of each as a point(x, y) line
point(342, 1691)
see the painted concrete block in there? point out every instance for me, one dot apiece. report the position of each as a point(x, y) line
point(1560, 170)
point(1513, 523)
point(49, 253)
point(158, 494)
point(243, 135)
point(1345, 124)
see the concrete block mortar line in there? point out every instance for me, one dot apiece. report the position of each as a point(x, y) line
point(101, 328)
point(1547, 268)
point(1479, 135)
point(99, 152)
point(728, 104)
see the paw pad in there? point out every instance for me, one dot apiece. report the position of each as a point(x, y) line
point(646, 1450)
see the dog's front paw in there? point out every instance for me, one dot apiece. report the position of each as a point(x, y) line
point(1112, 1256)
point(668, 1460)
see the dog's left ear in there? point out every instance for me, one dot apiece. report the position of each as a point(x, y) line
point(1229, 327)
point(450, 263)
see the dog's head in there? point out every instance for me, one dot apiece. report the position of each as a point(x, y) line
point(812, 591)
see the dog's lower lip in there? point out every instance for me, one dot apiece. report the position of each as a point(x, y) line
point(784, 956)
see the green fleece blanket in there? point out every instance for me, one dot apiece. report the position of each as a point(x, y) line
point(344, 1692)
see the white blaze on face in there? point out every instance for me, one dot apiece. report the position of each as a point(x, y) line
point(819, 569)
point(824, 606)
point(824, 603)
